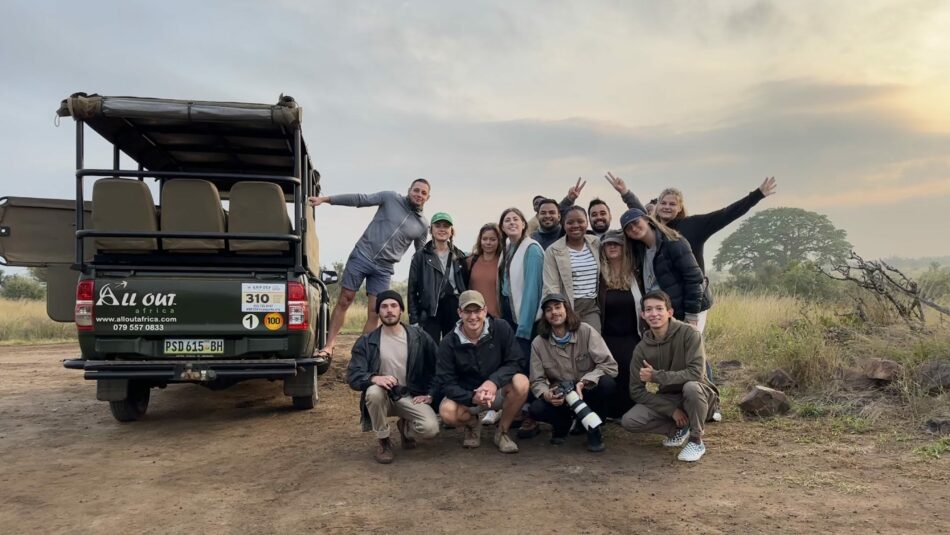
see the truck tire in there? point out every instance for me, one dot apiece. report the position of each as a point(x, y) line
point(133, 407)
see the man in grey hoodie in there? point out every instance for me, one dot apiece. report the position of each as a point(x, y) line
point(671, 355)
point(398, 223)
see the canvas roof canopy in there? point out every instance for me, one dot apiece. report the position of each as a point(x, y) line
point(197, 136)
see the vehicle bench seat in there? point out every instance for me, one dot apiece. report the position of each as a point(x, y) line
point(123, 205)
point(258, 207)
point(190, 205)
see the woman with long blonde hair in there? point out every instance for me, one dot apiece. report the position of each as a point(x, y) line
point(619, 298)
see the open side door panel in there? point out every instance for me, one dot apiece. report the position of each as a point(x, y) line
point(39, 232)
point(42, 233)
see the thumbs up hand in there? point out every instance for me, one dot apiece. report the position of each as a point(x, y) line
point(646, 373)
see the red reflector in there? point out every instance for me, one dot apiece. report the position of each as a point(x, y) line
point(84, 290)
point(296, 292)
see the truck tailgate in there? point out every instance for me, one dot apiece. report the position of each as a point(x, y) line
point(190, 306)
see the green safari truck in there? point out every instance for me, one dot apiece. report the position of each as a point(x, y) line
point(217, 282)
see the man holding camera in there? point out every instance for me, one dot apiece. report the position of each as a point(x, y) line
point(671, 355)
point(394, 367)
point(478, 370)
point(571, 353)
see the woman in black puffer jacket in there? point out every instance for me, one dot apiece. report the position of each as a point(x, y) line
point(665, 262)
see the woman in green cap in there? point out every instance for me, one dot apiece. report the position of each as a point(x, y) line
point(437, 276)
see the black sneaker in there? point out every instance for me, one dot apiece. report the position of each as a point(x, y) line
point(595, 442)
point(558, 440)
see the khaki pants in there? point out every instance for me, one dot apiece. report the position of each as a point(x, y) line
point(589, 312)
point(420, 416)
point(698, 401)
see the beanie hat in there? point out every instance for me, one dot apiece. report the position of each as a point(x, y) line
point(389, 294)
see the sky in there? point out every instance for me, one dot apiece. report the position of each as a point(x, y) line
point(846, 103)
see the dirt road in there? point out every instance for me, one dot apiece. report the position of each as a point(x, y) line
point(242, 461)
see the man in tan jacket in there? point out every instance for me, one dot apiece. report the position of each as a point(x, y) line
point(671, 355)
point(567, 349)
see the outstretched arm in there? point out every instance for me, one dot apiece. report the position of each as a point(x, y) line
point(629, 197)
point(715, 221)
point(358, 200)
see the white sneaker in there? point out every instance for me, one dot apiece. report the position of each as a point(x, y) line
point(717, 416)
point(678, 438)
point(490, 417)
point(692, 452)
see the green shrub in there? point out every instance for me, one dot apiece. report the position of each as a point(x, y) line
point(20, 287)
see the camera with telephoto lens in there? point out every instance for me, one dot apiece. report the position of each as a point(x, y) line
point(584, 413)
point(398, 392)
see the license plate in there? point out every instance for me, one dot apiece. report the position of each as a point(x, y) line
point(194, 347)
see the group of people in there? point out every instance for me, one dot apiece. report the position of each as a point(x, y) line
point(559, 319)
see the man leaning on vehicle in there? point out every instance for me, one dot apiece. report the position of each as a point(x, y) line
point(398, 222)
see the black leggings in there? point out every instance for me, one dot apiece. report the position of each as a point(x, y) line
point(444, 320)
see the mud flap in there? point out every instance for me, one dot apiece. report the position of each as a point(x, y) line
point(302, 384)
point(112, 389)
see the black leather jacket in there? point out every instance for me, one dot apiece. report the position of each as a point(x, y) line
point(427, 281)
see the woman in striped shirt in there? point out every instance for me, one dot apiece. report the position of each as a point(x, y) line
point(572, 267)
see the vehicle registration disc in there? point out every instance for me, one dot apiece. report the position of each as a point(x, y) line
point(256, 297)
point(177, 346)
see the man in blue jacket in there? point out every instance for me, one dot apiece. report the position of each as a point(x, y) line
point(398, 223)
point(479, 368)
point(394, 366)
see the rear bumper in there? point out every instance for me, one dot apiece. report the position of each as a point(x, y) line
point(189, 370)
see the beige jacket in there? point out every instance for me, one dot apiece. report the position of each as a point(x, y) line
point(557, 266)
point(584, 357)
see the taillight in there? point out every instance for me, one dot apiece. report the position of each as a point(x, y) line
point(85, 319)
point(298, 310)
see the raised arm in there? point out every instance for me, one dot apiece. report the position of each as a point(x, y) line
point(629, 197)
point(715, 221)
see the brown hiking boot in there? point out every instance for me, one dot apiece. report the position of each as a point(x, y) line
point(405, 440)
point(384, 452)
point(473, 435)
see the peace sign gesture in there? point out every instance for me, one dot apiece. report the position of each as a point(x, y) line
point(575, 190)
point(617, 183)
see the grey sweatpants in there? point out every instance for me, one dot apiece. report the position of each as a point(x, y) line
point(421, 417)
point(698, 401)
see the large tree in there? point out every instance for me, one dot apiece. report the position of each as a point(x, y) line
point(782, 237)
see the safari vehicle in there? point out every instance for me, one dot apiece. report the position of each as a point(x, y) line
point(214, 284)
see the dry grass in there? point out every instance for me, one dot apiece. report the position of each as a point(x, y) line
point(26, 322)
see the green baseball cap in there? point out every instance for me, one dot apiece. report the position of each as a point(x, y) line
point(441, 216)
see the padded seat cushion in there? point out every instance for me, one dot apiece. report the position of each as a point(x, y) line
point(123, 205)
point(258, 207)
point(190, 205)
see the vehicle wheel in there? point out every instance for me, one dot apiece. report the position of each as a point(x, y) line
point(323, 364)
point(305, 403)
point(133, 407)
